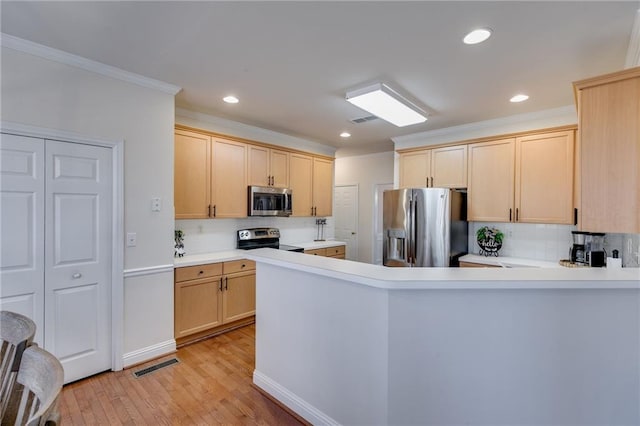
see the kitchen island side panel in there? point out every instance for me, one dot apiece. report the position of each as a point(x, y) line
point(324, 343)
point(505, 357)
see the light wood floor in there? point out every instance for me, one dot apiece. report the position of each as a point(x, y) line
point(210, 385)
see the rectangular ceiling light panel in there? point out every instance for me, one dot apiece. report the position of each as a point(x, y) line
point(383, 102)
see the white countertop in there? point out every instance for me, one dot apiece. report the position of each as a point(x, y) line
point(509, 262)
point(234, 254)
point(312, 245)
point(451, 278)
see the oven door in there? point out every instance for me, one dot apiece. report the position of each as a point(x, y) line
point(268, 201)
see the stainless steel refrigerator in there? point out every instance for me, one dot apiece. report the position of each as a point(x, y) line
point(424, 227)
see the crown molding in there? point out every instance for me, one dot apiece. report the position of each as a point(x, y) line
point(510, 124)
point(45, 52)
point(633, 51)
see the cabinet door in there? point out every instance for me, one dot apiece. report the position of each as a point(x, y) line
point(259, 166)
point(544, 178)
point(415, 169)
point(301, 184)
point(322, 187)
point(229, 183)
point(239, 296)
point(491, 174)
point(279, 168)
point(196, 306)
point(449, 167)
point(610, 154)
point(192, 175)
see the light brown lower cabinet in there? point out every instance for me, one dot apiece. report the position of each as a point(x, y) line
point(337, 252)
point(213, 297)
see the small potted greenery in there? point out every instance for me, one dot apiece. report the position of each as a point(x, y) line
point(489, 240)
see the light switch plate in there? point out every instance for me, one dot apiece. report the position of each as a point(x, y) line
point(132, 239)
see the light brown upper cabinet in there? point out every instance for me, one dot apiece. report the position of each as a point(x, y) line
point(491, 173)
point(415, 169)
point(301, 168)
point(322, 187)
point(524, 179)
point(444, 167)
point(609, 128)
point(192, 177)
point(210, 173)
point(268, 167)
point(449, 167)
point(311, 185)
point(544, 178)
point(229, 178)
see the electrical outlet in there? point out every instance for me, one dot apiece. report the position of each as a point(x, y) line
point(156, 205)
point(132, 239)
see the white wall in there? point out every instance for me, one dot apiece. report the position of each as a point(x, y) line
point(365, 171)
point(44, 93)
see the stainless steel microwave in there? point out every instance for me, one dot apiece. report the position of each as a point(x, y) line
point(269, 201)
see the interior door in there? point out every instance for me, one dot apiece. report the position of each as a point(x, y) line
point(346, 218)
point(78, 201)
point(22, 228)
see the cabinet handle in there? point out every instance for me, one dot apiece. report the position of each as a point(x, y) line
point(209, 211)
point(427, 181)
point(516, 214)
point(311, 211)
point(220, 286)
point(432, 181)
point(201, 272)
point(214, 210)
point(315, 211)
point(226, 283)
point(509, 215)
point(76, 275)
point(243, 265)
point(575, 216)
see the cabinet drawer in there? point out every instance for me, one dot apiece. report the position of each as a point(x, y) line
point(239, 266)
point(335, 251)
point(198, 271)
point(317, 252)
point(476, 265)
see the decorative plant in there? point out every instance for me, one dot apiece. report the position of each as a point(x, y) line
point(489, 240)
point(178, 236)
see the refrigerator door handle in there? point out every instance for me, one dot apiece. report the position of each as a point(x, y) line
point(409, 240)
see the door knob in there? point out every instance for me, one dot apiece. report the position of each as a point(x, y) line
point(353, 233)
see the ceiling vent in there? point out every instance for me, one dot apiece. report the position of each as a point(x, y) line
point(363, 119)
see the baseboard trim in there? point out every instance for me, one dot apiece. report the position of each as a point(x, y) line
point(150, 352)
point(291, 400)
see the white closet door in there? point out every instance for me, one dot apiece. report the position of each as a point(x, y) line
point(78, 257)
point(22, 227)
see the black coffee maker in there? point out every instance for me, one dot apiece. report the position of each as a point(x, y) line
point(578, 252)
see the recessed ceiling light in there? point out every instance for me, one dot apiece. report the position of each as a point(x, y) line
point(477, 36)
point(345, 134)
point(231, 99)
point(519, 98)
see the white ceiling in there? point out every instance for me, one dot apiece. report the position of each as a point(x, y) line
point(291, 63)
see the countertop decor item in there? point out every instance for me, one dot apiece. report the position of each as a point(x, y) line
point(179, 243)
point(320, 234)
point(489, 240)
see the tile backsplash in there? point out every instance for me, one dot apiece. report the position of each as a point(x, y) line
point(207, 235)
point(551, 242)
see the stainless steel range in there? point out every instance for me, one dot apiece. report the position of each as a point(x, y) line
point(253, 238)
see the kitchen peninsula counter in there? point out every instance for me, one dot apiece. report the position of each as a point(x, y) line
point(341, 342)
point(449, 278)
